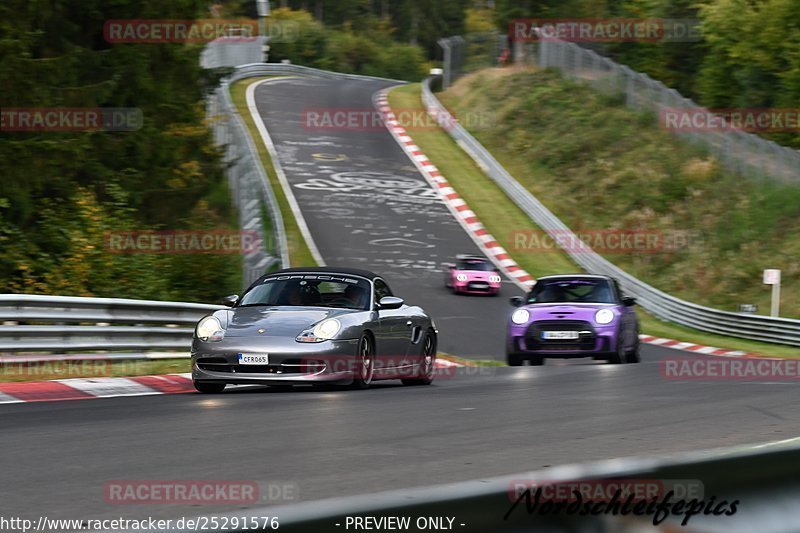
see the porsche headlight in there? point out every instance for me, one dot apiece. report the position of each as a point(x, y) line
point(325, 330)
point(461, 277)
point(209, 329)
point(520, 316)
point(604, 316)
point(495, 279)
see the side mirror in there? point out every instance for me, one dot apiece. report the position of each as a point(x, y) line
point(390, 302)
point(628, 301)
point(450, 266)
point(230, 301)
point(517, 301)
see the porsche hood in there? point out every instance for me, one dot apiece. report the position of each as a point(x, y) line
point(276, 321)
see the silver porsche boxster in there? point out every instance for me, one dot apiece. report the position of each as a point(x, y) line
point(322, 326)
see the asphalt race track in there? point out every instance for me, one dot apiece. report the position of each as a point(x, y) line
point(367, 206)
point(57, 457)
point(306, 445)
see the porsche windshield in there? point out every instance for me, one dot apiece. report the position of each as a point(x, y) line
point(348, 293)
point(572, 291)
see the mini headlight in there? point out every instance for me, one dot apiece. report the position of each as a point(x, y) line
point(495, 279)
point(604, 316)
point(520, 316)
point(461, 277)
point(209, 329)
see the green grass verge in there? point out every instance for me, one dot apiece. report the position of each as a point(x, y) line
point(599, 166)
point(90, 369)
point(469, 362)
point(299, 254)
point(500, 216)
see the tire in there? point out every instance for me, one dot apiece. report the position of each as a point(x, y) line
point(365, 363)
point(513, 359)
point(633, 356)
point(208, 387)
point(427, 366)
point(517, 359)
point(618, 357)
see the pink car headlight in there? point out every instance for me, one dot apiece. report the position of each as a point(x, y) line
point(461, 277)
point(495, 279)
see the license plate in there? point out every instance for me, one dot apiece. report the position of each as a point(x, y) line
point(253, 359)
point(559, 335)
point(480, 285)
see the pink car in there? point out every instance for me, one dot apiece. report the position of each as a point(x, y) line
point(472, 275)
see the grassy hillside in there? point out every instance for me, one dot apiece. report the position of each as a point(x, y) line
point(601, 166)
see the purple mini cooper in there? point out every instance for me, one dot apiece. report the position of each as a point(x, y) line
point(575, 315)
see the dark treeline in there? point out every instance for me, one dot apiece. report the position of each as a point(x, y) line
point(62, 192)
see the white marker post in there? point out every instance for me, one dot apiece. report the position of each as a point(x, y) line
point(772, 276)
point(263, 10)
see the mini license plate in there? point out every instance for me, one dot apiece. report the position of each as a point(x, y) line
point(479, 285)
point(253, 359)
point(560, 335)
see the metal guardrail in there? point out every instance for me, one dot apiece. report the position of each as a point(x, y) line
point(765, 481)
point(63, 323)
point(289, 69)
point(655, 301)
point(741, 152)
point(249, 185)
point(233, 51)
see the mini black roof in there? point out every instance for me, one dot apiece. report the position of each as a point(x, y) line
point(471, 257)
point(327, 270)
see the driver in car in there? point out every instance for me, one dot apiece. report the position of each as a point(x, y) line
point(354, 296)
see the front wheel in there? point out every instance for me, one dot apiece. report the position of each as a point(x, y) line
point(633, 355)
point(365, 363)
point(513, 359)
point(619, 356)
point(516, 359)
point(427, 364)
point(208, 387)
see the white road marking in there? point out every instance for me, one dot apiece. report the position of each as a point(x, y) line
point(108, 387)
point(287, 190)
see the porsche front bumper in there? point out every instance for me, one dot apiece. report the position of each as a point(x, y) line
point(289, 361)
